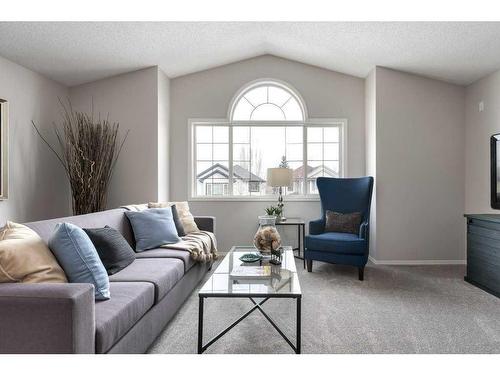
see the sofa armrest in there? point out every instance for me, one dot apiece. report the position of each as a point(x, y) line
point(47, 318)
point(206, 223)
point(316, 226)
point(363, 230)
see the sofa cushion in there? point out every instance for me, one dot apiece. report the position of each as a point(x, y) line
point(340, 243)
point(78, 257)
point(160, 252)
point(115, 317)
point(162, 273)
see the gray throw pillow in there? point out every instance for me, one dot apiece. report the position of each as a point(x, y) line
point(112, 247)
point(152, 228)
point(343, 223)
point(178, 223)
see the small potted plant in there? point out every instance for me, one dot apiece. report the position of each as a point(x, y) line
point(274, 211)
point(270, 211)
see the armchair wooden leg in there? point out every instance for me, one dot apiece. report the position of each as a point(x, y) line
point(309, 265)
point(361, 272)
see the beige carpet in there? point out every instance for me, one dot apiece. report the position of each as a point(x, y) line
point(397, 309)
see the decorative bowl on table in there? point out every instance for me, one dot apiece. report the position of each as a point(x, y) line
point(267, 237)
point(250, 257)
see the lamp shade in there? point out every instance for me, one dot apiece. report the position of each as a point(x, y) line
point(277, 177)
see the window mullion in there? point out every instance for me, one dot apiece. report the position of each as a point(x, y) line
point(230, 177)
point(304, 162)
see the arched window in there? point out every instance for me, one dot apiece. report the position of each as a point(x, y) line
point(267, 123)
point(267, 101)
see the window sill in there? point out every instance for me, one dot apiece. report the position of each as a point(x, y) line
point(255, 199)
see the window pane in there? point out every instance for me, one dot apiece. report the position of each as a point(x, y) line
point(314, 170)
point(298, 179)
point(242, 110)
point(241, 152)
point(267, 149)
point(292, 110)
point(268, 112)
point(220, 151)
point(204, 152)
point(241, 134)
point(257, 96)
point(331, 151)
point(241, 178)
point(203, 134)
point(315, 151)
point(331, 169)
point(294, 152)
point(331, 134)
point(203, 174)
point(203, 168)
point(314, 134)
point(221, 134)
point(294, 134)
point(212, 178)
point(278, 96)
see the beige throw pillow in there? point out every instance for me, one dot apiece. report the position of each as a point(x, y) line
point(185, 215)
point(25, 258)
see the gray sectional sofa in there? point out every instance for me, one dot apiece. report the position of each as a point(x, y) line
point(64, 318)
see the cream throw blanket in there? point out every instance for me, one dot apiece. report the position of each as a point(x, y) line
point(202, 245)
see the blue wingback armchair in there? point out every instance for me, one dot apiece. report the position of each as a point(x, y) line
point(344, 195)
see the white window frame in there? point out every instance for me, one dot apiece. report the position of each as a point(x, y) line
point(312, 122)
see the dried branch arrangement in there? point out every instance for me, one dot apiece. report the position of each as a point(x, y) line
point(89, 151)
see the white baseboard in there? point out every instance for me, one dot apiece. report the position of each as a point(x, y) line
point(416, 262)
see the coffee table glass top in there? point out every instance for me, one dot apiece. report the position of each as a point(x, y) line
point(234, 277)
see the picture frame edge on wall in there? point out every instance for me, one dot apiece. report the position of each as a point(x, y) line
point(4, 149)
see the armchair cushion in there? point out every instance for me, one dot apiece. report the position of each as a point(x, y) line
point(339, 243)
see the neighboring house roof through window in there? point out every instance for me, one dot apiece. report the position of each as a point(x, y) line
point(239, 173)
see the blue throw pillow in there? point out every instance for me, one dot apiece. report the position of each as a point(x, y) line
point(78, 257)
point(152, 228)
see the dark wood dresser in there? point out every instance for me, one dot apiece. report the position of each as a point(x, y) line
point(483, 252)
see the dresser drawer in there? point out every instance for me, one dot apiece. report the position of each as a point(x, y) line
point(488, 230)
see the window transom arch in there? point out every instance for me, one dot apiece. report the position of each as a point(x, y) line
point(267, 100)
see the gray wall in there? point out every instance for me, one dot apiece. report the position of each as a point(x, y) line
point(38, 187)
point(420, 177)
point(479, 127)
point(371, 151)
point(207, 94)
point(163, 136)
point(132, 99)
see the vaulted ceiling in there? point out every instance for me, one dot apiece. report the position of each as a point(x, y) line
point(77, 52)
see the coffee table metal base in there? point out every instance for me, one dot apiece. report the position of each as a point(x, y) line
point(257, 306)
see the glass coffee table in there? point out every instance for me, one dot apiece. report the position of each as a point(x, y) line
point(235, 279)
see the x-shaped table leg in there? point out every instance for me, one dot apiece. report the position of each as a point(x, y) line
point(257, 306)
